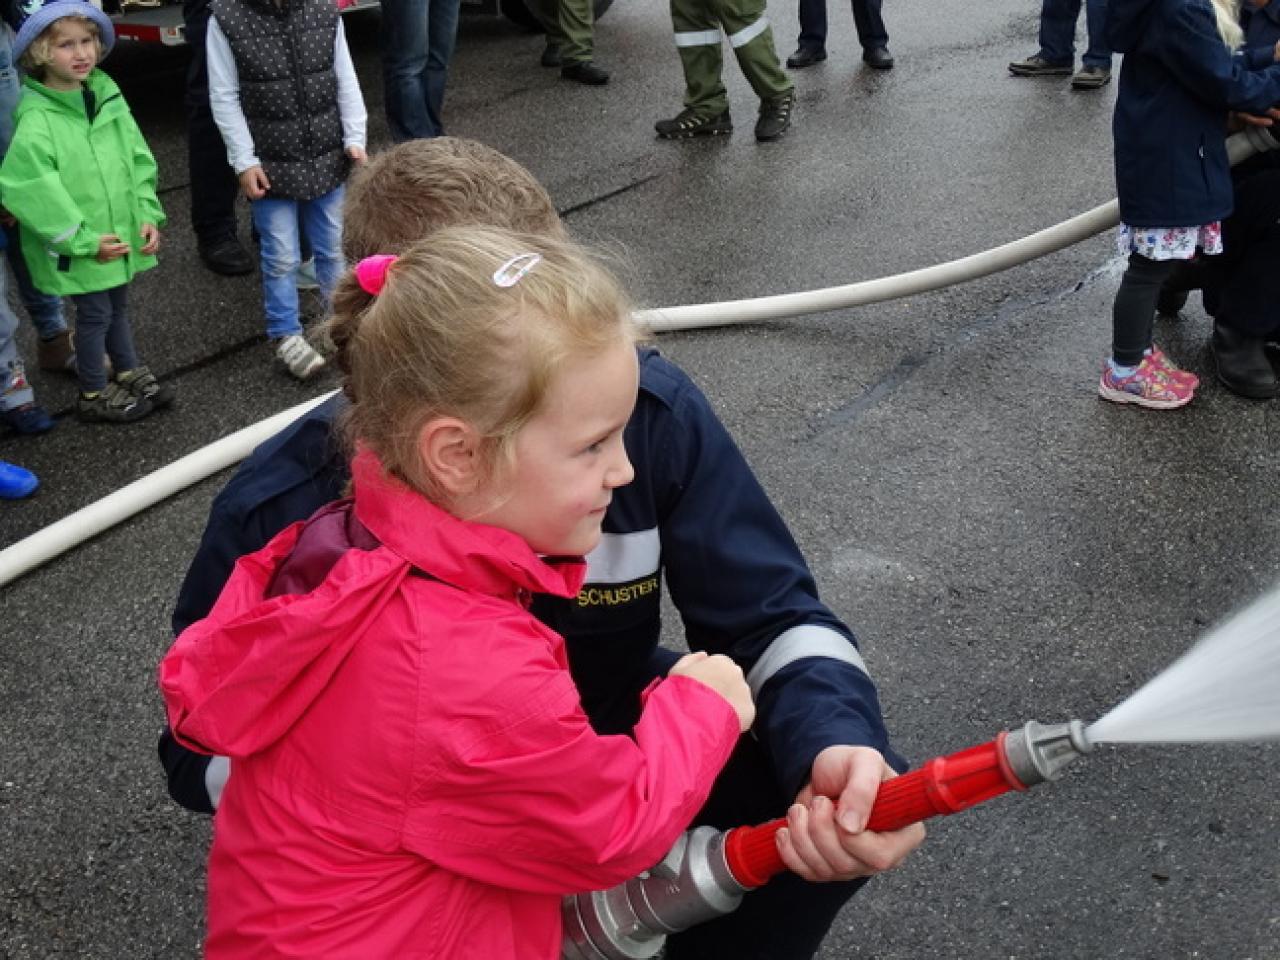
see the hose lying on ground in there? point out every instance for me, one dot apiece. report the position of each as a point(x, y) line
point(44, 545)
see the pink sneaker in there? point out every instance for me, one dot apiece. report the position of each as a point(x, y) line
point(1163, 363)
point(1148, 386)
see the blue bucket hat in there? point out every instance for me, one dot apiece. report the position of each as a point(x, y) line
point(40, 16)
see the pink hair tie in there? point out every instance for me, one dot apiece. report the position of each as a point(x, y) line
point(371, 272)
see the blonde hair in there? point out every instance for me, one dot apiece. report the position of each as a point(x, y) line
point(39, 54)
point(443, 338)
point(421, 186)
point(1227, 14)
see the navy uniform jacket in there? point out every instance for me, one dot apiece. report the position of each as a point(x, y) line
point(1177, 84)
point(695, 514)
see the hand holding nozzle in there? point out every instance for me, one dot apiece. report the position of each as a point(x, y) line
point(944, 785)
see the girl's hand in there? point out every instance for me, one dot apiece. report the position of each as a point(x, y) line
point(150, 238)
point(110, 248)
point(254, 183)
point(724, 677)
point(357, 154)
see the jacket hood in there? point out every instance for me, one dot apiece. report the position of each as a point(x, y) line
point(1126, 21)
point(235, 682)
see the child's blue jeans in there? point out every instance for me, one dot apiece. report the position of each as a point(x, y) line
point(14, 389)
point(277, 223)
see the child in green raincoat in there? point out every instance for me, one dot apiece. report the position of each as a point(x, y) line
point(82, 183)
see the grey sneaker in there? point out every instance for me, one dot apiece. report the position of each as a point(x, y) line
point(114, 404)
point(688, 124)
point(775, 117)
point(299, 357)
point(1090, 78)
point(1038, 66)
point(142, 383)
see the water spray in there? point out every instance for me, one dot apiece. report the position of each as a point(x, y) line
point(1225, 688)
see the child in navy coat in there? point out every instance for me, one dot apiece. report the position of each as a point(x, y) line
point(1179, 81)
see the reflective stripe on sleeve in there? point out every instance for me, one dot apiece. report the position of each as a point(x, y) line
point(624, 557)
point(806, 640)
point(699, 38)
point(747, 34)
point(215, 778)
point(67, 235)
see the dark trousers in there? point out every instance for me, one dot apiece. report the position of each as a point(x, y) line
point(1135, 308)
point(102, 327)
point(866, 17)
point(787, 918)
point(1242, 286)
point(416, 39)
point(214, 185)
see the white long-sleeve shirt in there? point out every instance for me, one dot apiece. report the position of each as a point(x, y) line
point(224, 97)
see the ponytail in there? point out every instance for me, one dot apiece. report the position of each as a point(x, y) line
point(1227, 13)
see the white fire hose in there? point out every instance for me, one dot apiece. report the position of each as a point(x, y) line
point(54, 540)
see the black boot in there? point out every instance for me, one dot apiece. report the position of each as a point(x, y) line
point(1243, 366)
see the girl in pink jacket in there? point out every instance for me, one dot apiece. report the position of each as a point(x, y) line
point(414, 773)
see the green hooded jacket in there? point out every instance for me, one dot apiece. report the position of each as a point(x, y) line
point(69, 179)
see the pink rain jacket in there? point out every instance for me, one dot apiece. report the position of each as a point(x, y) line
point(412, 772)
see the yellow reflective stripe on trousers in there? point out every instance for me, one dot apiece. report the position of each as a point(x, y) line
point(799, 643)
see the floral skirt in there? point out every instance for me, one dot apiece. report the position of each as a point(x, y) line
point(1170, 243)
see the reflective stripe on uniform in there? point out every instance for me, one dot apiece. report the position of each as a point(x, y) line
point(807, 640)
point(624, 557)
point(749, 33)
point(67, 235)
point(699, 38)
point(215, 778)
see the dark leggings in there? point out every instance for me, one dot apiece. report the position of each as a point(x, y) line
point(102, 326)
point(1135, 308)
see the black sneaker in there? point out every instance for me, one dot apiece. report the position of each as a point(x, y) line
point(142, 383)
point(585, 72)
point(806, 57)
point(1038, 66)
point(114, 404)
point(775, 117)
point(226, 256)
point(688, 124)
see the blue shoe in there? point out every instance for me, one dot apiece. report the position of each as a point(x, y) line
point(16, 483)
point(28, 418)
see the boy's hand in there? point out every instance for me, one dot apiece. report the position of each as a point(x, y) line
point(724, 677)
point(150, 238)
point(254, 183)
point(357, 154)
point(824, 838)
point(110, 248)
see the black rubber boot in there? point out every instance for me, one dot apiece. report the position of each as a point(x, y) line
point(1243, 366)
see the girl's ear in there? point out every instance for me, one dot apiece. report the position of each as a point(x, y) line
point(450, 452)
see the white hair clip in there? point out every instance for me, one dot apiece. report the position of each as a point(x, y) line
point(513, 271)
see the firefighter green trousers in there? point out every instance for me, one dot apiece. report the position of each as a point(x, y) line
point(568, 24)
point(701, 26)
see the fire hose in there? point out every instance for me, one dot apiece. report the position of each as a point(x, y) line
point(54, 540)
point(707, 872)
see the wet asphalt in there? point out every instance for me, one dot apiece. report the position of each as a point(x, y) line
point(1006, 546)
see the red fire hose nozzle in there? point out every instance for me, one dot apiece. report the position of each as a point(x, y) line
point(707, 872)
point(1012, 761)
